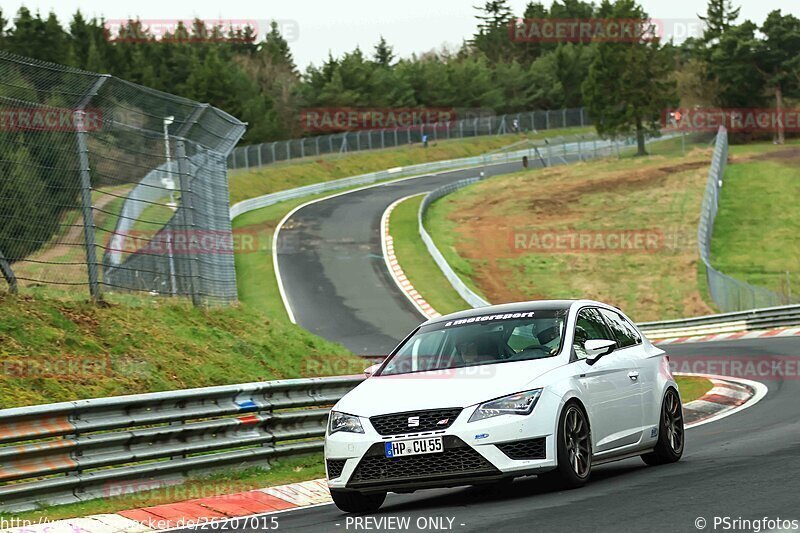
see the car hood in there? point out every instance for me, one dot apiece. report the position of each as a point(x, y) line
point(459, 387)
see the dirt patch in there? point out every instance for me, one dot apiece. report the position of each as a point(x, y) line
point(788, 155)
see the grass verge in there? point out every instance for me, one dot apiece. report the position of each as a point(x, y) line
point(559, 232)
point(281, 472)
point(417, 263)
point(246, 184)
point(53, 350)
point(692, 387)
point(757, 229)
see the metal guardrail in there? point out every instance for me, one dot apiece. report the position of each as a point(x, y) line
point(767, 318)
point(540, 154)
point(467, 294)
point(77, 451)
point(74, 451)
point(550, 151)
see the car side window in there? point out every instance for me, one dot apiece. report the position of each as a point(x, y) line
point(589, 326)
point(624, 333)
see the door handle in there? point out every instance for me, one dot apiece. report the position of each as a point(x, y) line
point(634, 375)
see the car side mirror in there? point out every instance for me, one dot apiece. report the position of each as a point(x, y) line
point(597, 348)
point(371, 369)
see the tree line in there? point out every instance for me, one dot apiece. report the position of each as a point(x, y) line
point(625, 85)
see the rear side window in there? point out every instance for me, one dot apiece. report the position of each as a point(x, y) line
point(624, 333)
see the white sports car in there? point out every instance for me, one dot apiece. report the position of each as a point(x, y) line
point(550, 388)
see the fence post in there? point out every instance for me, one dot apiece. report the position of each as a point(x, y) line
point(583, 121)
point(86, 190)
point(188, 218)
point(5, 268)
point(316, 141)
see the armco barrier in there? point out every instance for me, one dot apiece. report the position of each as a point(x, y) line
point(754, 319)
point(566, 153)
point(75, 451)
point(546, 152)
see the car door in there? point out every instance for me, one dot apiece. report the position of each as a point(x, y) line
point(629, 342)
point(611, 389)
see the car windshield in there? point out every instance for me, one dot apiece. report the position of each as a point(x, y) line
point(480, 340)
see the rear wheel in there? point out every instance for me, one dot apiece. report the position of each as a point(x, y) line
point(573, 449)
point(356, 502)
point(669, 447)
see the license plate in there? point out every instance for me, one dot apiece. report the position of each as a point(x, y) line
point(402, 448)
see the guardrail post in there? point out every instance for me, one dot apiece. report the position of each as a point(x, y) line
point(187, 206)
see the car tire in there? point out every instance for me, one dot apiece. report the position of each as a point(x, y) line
point(573, 449)
point(670, 444)
point(356, 502)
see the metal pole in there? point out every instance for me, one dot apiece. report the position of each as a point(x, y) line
point(274, 159)
point(5, 268)
point(86, 190)
point(188, 219)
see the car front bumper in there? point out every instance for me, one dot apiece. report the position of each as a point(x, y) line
point(474, 452)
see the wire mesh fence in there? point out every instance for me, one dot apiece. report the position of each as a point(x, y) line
point(730, 294)
point(258, 155)
point(110, 186)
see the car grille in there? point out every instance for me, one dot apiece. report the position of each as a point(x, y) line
point(524, 449)
point(335, 467)
point(430, 420)
point(457, 459)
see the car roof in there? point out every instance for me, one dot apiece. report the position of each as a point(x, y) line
point(516, 307)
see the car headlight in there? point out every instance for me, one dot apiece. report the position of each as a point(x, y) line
point(521, 403)
point(344, 422)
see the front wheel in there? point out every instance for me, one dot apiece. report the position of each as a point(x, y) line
point(573, 449)
point(669, 447)
point(356, 502)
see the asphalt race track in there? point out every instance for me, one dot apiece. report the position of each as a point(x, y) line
point(334, 275)
point(746, 465)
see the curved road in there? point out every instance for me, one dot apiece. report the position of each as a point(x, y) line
point(332, 268)
point(744, 466)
